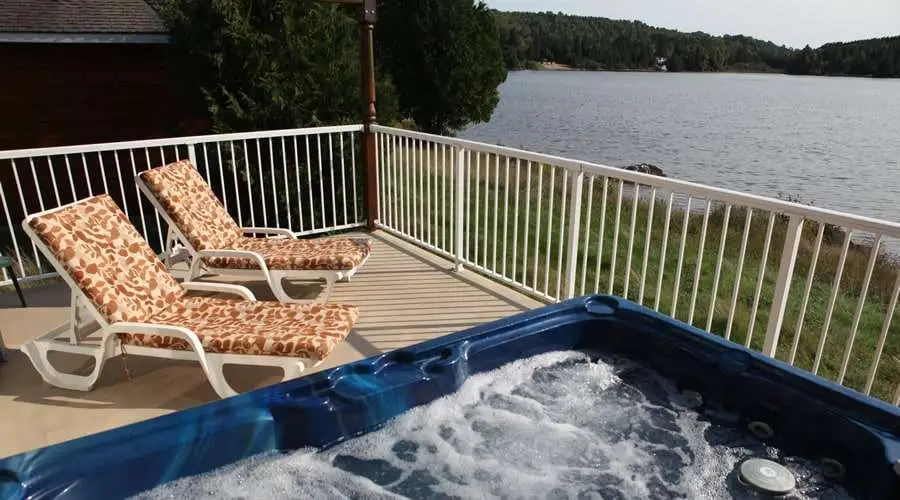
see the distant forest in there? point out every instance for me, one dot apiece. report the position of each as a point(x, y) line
point(596, 43)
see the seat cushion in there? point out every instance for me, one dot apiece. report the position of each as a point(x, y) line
point(334, 254)
point(236, 326)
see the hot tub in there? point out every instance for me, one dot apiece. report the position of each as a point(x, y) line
point(567, 385)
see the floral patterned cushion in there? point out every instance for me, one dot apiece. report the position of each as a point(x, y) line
point(192, 205)
point(280, 254)
point(194, 208)
point(267, 328)
point(108, 259)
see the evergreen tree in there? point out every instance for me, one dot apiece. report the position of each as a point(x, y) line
point(445, 59)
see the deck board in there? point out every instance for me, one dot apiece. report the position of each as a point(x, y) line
point(406, 295)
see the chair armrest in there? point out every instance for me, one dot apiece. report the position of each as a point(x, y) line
point(238, 254)
point(153, 329)
point(241, 291)
point(271, 231)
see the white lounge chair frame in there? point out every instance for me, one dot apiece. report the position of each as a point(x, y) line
point(275, 278)
point(69, 338)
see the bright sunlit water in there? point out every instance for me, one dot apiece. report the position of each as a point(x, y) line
point(556, 425)
point(833, 141)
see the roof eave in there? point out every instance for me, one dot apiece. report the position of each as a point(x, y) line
point(93, 38)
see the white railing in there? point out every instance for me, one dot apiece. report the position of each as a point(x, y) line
point(307, 180)
point(813, 287)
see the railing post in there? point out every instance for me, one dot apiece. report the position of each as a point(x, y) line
point(459, 218)
point(783, 283)
point(574, 228)
point(368, 17)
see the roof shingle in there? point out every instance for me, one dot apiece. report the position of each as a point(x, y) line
point(79, 16)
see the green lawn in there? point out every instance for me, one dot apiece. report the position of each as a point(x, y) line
point(686, 291)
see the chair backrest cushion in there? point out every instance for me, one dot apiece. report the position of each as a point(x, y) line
point(192, 206)
point(108, 259)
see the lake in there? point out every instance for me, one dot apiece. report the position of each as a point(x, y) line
point(835, 142)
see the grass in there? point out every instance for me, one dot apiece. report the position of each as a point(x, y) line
point(622, 227)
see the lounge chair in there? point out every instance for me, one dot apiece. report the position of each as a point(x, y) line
point(142, 310)
point(199, 222)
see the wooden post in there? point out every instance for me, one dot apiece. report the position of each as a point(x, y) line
point(368, 16)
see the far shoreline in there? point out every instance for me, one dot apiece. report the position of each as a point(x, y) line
point(562, 68)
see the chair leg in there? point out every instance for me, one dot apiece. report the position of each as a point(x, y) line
point(12, 275)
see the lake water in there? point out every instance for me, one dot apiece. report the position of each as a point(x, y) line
point(832, 141)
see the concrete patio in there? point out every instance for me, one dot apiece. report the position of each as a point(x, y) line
point(406, 295)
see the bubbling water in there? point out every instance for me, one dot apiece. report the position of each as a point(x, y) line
point(557, 425)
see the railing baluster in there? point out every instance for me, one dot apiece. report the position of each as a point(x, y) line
point(870, 268)
point(419, 190)
point(537, 232)
point(835, 290)
point(56, 186)
point(662, 253)
point(309, 183)
point(810, 278)
point(680, 265)
point(574, 227)
point(274, 188)
point(699, 267)
point(155, 213)
point(487, 184)
point(87, 175)
point(527, 223)
point(15, 241)
point(118, 175)
point(237, 191)
point(344, 178)
point(783, 284)
point(634, 210)
point(139, 196)
point(444, 197)
point(496, 206)
point(321, 181)
point(601, 235)
point(37, 185)
point(428, 208)
point(262, 184)
point(222, 174)
point(723, 239)
point(562, 223)
point(356, 215)
point(102, 176)
point(250, 198)
point(476, 234)
point(516, 223)
point(760, 280)
point(885, 327)
point(334, 219)
point(297, 182)
point(459, 219)
point(25, 211)
point(72, 179)
point(505, 215)
point(648, 238)
point(739, 273)
point(287, 180)
point(550, 190)
point(615, 241)
point(587, 234)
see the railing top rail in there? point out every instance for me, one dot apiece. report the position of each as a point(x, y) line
point(14, 154)
point(757, 202)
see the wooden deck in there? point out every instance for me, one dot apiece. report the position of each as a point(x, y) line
point(406, 295)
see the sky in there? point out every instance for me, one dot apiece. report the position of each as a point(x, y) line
point(794, 23)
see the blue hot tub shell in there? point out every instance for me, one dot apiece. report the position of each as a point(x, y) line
point(811, 417)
